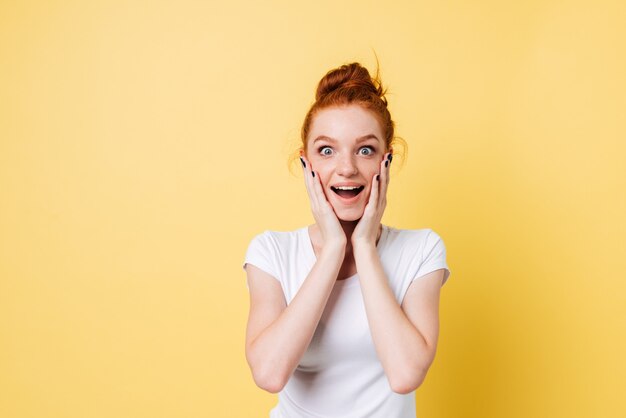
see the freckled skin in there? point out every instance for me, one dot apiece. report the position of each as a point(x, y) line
point(344, 158)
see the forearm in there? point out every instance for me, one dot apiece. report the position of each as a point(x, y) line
point(279, 348)
point(401, 348)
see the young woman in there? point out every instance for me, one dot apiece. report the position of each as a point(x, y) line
point(344, 313)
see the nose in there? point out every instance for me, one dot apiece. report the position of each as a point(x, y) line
point(346, 166)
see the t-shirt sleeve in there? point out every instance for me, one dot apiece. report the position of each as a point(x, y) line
point(434, 257)
point(260, 254)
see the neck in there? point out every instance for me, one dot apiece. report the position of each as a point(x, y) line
point(348, 229)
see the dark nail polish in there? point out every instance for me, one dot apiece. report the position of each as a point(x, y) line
point(387, 163)
point(377, 177)
point(390, 157)
point(313, 172)
point(303, 163)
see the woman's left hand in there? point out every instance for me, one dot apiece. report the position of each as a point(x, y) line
point(366, 231)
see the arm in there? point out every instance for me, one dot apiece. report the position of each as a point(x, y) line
point(278, 335)
point(405, 336)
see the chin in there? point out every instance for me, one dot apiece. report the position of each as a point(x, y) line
point(348, 212)
point(349, 215)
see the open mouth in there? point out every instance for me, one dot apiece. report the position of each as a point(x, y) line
point(347, 192)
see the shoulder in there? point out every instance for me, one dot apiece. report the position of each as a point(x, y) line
point(417, 238)
point(276, 241)
point(270, 250)
point(277, 237)
point(414, 246)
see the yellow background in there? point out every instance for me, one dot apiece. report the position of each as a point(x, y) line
point(144, 143)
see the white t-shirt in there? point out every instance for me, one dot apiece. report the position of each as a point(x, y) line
point(340, 374)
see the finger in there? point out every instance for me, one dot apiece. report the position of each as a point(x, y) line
point(390, 157)
point(319, 190)
point(384, 181)
point(372, 203)
point(306, 176)
point(383, 194)
point(308, 181)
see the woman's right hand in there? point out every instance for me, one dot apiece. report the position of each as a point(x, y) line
point(324, 214)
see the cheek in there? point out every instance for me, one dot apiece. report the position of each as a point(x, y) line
point(321, 170)
point(371, 170)
point(324, 178)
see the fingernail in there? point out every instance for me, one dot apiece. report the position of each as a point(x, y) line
point(303, 163)
point(387, 163)
point(389, 157)
point(313, 172)
point(377, 177)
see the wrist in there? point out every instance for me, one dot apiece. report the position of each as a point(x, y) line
point(363, 247)
point(334, 247)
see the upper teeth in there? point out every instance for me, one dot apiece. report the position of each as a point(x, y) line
point(347, 187)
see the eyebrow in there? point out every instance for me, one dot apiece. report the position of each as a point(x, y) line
point(359, 139)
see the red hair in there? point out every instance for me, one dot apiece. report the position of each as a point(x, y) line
point(351, 84)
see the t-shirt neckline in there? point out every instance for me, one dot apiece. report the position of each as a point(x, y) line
point(313, 257)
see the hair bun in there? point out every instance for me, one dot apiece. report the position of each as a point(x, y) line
point(352, 85)
point(349, 76)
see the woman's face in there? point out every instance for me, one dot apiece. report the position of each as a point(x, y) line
point(345, 148)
